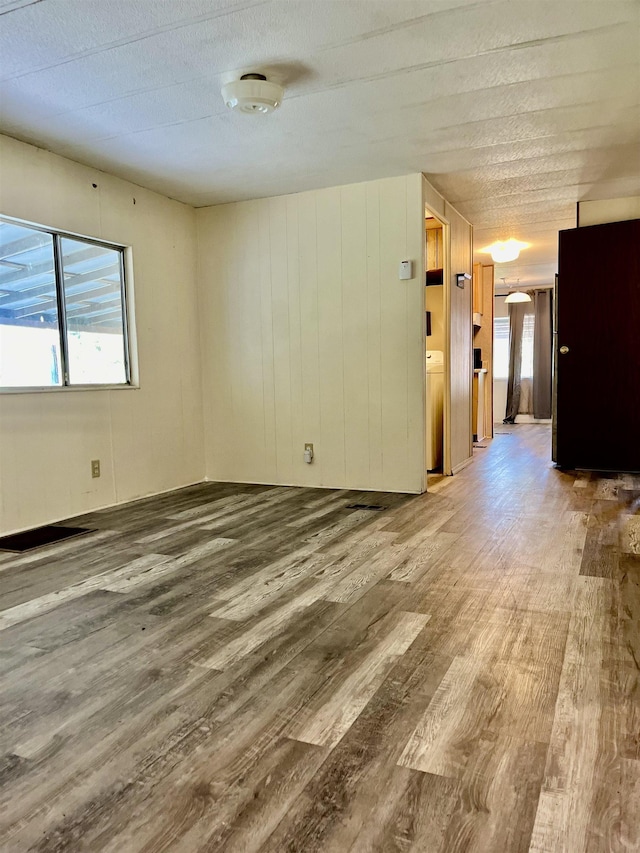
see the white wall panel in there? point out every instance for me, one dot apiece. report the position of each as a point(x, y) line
point(148, 440)
point(354, 307)
point(309, 369)
point(331, 342)
point(600, 211)
point(374, 324)
point(337, 357)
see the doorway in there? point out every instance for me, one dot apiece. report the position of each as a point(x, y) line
point(436, 343)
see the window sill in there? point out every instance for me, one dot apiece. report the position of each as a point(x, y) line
point(58, 388)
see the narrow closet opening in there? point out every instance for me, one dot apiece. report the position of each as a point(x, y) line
point(435, 343)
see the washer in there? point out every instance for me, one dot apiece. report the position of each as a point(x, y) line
point(435, 407)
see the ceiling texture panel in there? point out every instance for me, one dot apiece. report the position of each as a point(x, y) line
point(515, 109)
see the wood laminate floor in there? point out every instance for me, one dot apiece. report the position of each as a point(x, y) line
point(250, 668)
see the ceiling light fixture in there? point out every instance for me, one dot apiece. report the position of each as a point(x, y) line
point(516, 295)
point(252, 93)
point(503, 251)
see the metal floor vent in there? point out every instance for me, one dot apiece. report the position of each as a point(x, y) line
point(372, 507)
point(29, 539)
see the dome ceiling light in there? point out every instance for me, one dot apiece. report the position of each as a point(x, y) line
point(516, 295)
point(252, 93)
point(503, 251)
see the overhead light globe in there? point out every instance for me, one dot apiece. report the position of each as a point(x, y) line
point(503, 251)
point(252, 93)
point(518, 296)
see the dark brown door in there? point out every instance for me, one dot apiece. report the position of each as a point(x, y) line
point(597, 417)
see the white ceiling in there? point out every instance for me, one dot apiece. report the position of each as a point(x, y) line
point(514, 110)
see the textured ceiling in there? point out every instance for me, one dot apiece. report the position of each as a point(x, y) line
point(514, 110)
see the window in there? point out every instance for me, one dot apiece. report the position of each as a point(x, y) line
point(501, 347)
point(526, 365)
point(62, 310)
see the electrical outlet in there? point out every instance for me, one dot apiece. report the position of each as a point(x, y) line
point(95, 467)
point(309, 447)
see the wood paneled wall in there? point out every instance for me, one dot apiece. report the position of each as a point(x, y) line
point(483, 338)
point(309, 336)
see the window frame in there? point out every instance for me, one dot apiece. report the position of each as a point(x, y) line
point(500, 321)
point(528, 325)
point(123, 251)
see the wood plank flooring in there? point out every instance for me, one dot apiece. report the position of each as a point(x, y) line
point(252, 668)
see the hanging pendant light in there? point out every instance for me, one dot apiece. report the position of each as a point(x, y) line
point(516, 295)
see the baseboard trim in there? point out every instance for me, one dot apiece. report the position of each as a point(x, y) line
point(461, 465)
point(57, 520)
point(312, 486)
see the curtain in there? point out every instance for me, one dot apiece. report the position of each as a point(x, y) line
point(514, 388)
point(542, 353)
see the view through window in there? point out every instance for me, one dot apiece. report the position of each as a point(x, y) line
point(62, 310)
point(501, 347)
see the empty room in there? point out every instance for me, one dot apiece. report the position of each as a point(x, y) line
point(319, 418)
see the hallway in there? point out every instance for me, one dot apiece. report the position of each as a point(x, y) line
point(253, 668)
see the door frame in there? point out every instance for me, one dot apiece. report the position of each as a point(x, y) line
point(446, 305)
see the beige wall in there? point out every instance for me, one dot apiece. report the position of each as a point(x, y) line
point(148, 440)
point(309, 336)
point(601, 211)
point(458, 399)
